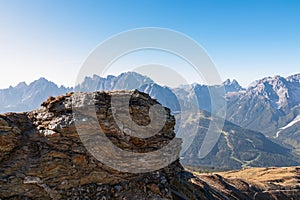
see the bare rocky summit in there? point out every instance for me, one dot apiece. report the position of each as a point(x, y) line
point(42, 155)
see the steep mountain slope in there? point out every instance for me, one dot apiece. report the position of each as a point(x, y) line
point(164, 95)
point(199, 96)
point(289, 135)
point(273, 101)
point(271, 106)
point(237, 147)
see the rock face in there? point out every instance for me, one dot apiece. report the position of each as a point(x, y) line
point(43, 157)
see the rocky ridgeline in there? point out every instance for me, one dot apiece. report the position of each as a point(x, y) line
point(42, 156)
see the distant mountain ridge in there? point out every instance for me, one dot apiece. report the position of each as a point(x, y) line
point(270, 105)
point(25, 97)
point(125, 81)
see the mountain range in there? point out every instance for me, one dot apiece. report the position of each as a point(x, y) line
point(25, 97)
point(262, 124)
point(271, 106)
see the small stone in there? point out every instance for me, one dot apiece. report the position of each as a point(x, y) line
point(154, 188)
point(118, 187)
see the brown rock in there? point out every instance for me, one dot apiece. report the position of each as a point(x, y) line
point(79, 160)
point(57, 154)
point(154, 188)
point(42, 155)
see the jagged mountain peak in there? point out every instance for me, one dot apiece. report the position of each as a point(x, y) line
point(131, 73)
point(125, 81)
point(232, 86)
point(41, 80)
point(282, 93)
point(275, 82)
point(21, 85)
point(294, 78)
point(42, 84)
point(229, 82)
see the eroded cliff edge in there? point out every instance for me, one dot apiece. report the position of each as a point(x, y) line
point(43, 157)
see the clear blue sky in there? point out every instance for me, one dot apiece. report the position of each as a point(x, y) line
point(246, 39)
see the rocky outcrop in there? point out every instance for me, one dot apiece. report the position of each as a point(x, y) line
point(43, 156)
